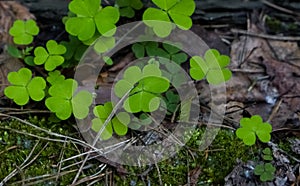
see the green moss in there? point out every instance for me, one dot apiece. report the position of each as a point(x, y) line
point(285, 145)
point(275, 25)
point(223, 155)
point(215, 163)
point(16, 147)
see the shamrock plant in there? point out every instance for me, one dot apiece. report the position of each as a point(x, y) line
point(118, 123)
point(168, 51)
point(24, 31)
point(21, 54)
point(252, 127)
point(74, 50)
point(64, 100)
point(140, 49)
point(127, 7)
point(265, 171)
point(51, 57)
point(267, 154)
point(145, 97)
point(172, 101)
point(168, 55)
point(23, 87)
point(55, 77)
point(160, 18)
point(213, 66)
point(90, 19)
point(103, 44)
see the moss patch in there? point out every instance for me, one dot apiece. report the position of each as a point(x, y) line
point(43, 156)
point(214, 163)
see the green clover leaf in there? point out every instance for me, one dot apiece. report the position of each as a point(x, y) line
point(108, 60)
point(142, 120)
point(106, 20)
point(80, 103)
point(178, 11)
point(75, 48)
point(145, 96)
point(85, 11)
point(127, 7)
point(252, 127)
point(142, 101)
point(63, 101)
point(172, 100)
point(51, 58)
point(55, 77)
point(267, 154)
point(85, 31)
point(24, 86)
point(169, 51)
point(23, 31)
point(103, 44)
point(14, 51)
point(118, 123)
point(152, 49)
point(89, 17)
point(265, 171)
point(213, 66)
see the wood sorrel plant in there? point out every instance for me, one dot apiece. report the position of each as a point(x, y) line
point(147, 86)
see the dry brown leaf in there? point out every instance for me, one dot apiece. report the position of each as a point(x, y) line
point(254, 54)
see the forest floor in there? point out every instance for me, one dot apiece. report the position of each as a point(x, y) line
point(262, 40)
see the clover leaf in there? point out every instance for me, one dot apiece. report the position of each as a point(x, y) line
point(213, 66)
point(127, 7)
point(172, 100)
point(108, 60)
point(24, 54)
point(169, 51)
point(267, 154)
point(176, 78)
point(145, 96)
point(89, 17)
point(23, 31)
point(252, 127)
point(174, 53)
point(75, 48)
point(24, 86)
point(103, 44)
point(64, 101)
point(50, 57)
point(265, 171)
point(118, 123)
point(55, 77)
point(178, 11)
point(138, 122)
point(14, 51)
point(139, 49)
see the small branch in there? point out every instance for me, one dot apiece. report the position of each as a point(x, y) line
point(279, 8)
point(266, 36)
point(274, 110)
